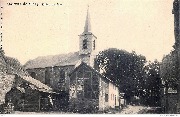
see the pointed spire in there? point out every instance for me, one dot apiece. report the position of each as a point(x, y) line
point(87, 27)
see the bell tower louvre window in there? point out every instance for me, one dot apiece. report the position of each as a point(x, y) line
point(85, 44)
point(94, 45)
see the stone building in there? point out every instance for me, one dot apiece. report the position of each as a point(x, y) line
point(28, 94)
point(21, 90)
point(74, 74)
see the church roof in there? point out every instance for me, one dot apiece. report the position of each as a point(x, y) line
point(53, 60)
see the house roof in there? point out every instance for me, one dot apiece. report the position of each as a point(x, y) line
point(37, 84)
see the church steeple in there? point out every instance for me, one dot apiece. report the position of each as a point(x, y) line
point(87, 27)
point(87, 43)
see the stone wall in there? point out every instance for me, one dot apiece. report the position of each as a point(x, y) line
point(6, 82)
point(59, 77)
point(56, 77)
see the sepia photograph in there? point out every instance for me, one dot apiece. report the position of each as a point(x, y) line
point(90, 57)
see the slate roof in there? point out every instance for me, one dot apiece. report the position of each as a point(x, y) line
point(53, 60)
point(37, 84)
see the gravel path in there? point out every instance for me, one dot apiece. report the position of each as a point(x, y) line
point(132, 109)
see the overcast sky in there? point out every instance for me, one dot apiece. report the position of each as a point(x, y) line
point(145, 26)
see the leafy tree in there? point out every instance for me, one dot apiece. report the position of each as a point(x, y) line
point(169, 70)
point(14, 66)
point(125, 68)
point(152, 84)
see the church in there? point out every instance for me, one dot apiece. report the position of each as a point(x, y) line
point(75, 75)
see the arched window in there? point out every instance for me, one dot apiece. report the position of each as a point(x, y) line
point(85, 44)
point(47, 78)
point(62, 76)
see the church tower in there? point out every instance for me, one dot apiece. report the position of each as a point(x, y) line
point(87, 43)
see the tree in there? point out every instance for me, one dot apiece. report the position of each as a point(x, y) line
point(14, 66)
point(168, 70)
point(152, 84)
point(124, 68)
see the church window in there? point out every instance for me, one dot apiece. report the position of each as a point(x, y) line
point(33, 74)
point(47, 78)
point(61, 83)
point(62, 76)
point(94, 45)
point(85, 44)
point(106, 97)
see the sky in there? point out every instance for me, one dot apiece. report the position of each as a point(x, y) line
point(144, 26)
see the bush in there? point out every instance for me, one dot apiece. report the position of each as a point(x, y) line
point(83, 105)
